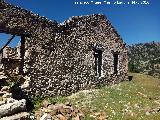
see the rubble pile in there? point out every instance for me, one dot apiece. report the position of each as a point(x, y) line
point(58, 112)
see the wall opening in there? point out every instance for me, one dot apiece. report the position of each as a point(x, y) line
point(98, 62)
point(9, 46)
point(12, 51)
point(12, 44)
point(115, 62)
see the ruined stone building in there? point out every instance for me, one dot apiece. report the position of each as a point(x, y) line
point(58, 59)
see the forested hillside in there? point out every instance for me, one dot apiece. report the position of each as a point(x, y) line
point(145, 58)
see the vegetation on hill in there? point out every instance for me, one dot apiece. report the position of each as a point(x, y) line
point(138, 99)
point(145, 58)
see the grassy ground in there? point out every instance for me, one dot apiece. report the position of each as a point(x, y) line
point(128, 100)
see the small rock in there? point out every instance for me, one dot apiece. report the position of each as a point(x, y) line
point(44, 117)
point(143, 95)
point(45, 103)
point(10, 100)
point(147, 113)
point(2, 93)
point(146, 109)
point(156, 110)
point(97, 114)
point(46, 110)
point(38, 115)
point(25, 85)
point(68, 104)
point(61, 117)
point(49, 117)
point(56, 107)
point(32, 116)
point(137, 105)
point(92, 116)
point(81, 114)
point(2, 102)
point(153, 111)
point(77, 117)
point(5, 88)
point(157, 101)
point(7, 95)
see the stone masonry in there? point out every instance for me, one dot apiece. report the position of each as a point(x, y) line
point(61, 58)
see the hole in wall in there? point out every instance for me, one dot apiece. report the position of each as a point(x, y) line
point(4, 37)
point(12, 51)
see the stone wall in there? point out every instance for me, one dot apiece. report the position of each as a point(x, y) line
point(63, 58)
point(12, 53)
point(10, 60)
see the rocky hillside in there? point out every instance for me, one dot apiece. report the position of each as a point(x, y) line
point(145, 58)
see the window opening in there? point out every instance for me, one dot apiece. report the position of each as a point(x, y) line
point(9, 46)
point(98, 62)
point(14, 42)
point(115, 61)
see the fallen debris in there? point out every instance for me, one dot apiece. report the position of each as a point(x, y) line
point(59, 112)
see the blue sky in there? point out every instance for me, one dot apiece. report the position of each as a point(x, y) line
point(135, 23)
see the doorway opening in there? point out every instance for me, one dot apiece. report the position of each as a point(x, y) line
point(12, 52)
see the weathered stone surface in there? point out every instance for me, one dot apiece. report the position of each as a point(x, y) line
point(59, 59)
point(19, 116)
point(12, 108)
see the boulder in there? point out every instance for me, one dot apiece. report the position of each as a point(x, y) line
point(19, 116)
point(3, 76)
point(12, 108)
